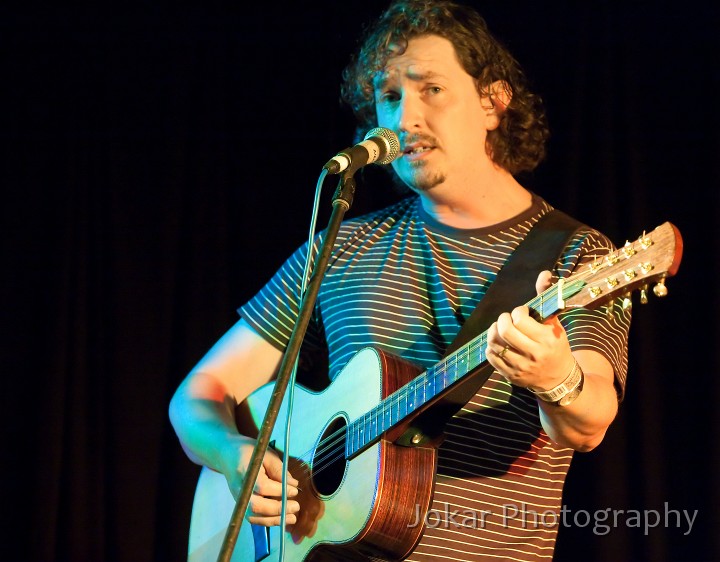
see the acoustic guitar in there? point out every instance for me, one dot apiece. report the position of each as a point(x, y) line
point(365, 460)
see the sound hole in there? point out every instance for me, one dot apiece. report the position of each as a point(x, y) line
point(329, 458)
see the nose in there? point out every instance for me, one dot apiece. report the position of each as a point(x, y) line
point(409, 113)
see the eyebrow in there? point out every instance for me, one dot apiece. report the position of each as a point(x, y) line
point(382, 78)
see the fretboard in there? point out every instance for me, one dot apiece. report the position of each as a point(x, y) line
point(436, 380)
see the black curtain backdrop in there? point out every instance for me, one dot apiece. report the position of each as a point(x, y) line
point(159, 163)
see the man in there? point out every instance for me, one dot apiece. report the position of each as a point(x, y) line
point(405, 278)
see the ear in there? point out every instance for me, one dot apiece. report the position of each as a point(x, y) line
point(495, 103)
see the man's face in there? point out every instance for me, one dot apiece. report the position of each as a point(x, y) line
point(426, 97)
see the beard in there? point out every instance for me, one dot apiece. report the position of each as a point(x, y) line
point(419, 178)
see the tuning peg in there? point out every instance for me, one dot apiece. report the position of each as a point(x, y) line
point(628, 249)
point(627, 301)
point(645, 241)
point(643, 294)
point(610, 308)
point(660, 290)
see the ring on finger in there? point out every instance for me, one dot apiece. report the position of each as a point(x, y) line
point(503, 351)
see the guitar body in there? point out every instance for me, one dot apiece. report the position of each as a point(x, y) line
point(350, 509)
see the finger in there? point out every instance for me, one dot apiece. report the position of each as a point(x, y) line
point(519, 314)
point(269, 507)
point(507, 327)
point(504, 324)
point(502, 354)
point(495, 344)
point(290, 519)
point(493, 337)
point(543, 282)
point(492, 334)
point(526, 325)
point(265, 486)
point(534, 331)
point(518, 330)
point(273, 468)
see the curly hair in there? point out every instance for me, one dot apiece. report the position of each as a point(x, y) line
point(518, 143)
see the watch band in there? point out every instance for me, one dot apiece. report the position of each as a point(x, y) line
point(572, 395)
point(571, 384)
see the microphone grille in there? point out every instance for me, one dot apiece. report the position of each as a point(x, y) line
point(392, 143)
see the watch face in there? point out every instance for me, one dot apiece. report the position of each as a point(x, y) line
point(568, 398)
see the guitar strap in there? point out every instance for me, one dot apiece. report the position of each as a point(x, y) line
point(513, 286)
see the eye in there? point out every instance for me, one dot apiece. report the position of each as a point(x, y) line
point(389, 96)
point(434, 90)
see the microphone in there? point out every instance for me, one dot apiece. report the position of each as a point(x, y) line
point(381, 145)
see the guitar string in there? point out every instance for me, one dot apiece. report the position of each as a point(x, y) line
point(429, 377)
point(331, 448)
point(332, 444)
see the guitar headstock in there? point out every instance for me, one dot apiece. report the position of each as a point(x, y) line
point(651, 258)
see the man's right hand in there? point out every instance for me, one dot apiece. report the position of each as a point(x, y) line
point(265, 502)
point(202, 412)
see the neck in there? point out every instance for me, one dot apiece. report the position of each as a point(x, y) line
point(477, 204)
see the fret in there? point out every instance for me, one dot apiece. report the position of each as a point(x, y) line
point(363, 436)
point(540, 305)
point(451, 369)
point(442, 376)
point(402, 404)
point(430, 386)
point(351, 445)
point(410, 398)
point(407, 399)
point(399, 415)
point(348, 439)
point(464, 360)
point(459, 364)
point(447, 374)
point(394, 413)
point(369, 434)
point(478, 352)
point(361, 423)
point(352, 441)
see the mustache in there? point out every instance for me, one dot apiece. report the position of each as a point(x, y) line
point(418, 138)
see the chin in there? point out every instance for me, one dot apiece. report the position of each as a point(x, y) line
point(426, 184)
point(421, 181)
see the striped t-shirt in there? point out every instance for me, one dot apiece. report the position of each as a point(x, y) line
point(399, 280)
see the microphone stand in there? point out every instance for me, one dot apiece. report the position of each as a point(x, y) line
point(342, 200)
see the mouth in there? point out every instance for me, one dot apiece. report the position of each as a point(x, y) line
point(414, 151)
